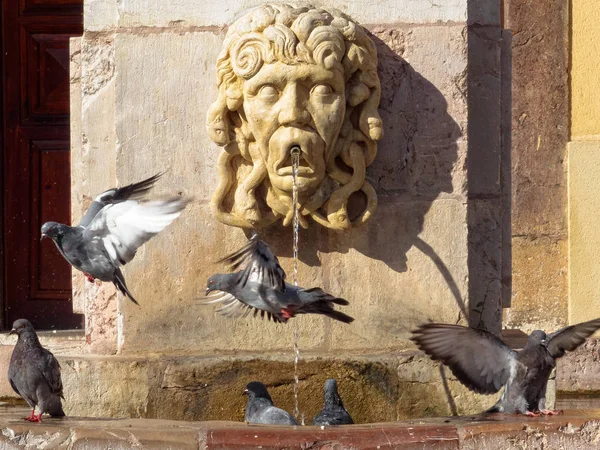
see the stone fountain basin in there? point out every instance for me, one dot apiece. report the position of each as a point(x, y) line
point(575, 429)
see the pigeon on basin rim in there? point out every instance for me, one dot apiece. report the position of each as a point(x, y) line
point(115, 225)
point(484, 363)
point(260, 408)
point(333, 412)
point(260, 287)
point(34, 373)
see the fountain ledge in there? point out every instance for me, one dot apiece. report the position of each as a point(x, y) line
point(572, 430)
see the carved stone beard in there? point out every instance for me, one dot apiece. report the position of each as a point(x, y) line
point(282, 205)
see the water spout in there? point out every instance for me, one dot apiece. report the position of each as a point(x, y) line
point(295, 153)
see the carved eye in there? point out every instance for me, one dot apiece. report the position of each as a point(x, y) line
point(268, 91)
point(322, 89)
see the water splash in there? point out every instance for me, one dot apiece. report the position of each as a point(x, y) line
point(295, 152)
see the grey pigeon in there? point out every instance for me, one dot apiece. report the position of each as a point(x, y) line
point(260, 287)
point(115, 225)
point(333, 412)
point(260, 409)
point(484, 363)
point(34, 373)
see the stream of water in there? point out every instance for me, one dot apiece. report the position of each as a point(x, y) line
point(296, 163)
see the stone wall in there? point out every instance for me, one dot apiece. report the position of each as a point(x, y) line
point(436, 241)
point(540, 131)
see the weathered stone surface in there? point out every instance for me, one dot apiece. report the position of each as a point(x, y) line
point(93, 160)
point(485, 263)
point(577, 372)
point(402, 386)
point(540, 132)
point(107, 14)
point(539, 285)
point(151, 120)
point(424, 150)
point(105, 387)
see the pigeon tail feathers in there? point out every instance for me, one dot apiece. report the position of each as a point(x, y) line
point(119, 282)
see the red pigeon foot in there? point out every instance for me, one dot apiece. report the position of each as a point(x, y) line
point(286, 313)
point(90, 278)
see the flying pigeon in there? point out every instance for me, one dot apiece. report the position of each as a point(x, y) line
point(115, 225)
point(260, 409)
point(260, 287)
point(34, 373)
point(484, 363)
point(333, 412)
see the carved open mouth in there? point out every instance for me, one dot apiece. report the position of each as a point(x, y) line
point(284, 166)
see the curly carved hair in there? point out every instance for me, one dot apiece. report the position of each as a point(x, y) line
point(293, 36)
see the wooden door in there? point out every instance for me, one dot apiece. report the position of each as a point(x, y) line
point(35, 158)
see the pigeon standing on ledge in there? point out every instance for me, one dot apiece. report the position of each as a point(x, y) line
point(333, 412)
point(484, 363)
point(115, 225)
point(34, 373)
point(260, 409)
point(260, 287)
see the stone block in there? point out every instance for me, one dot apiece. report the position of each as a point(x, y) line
point(198, 13)
point(540, 294)
point(5, 353)
point(423, 152)
point(577, 372)
point(540, 120)
point(395, 386)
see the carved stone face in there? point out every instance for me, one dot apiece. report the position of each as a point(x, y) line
point(287, 105)
point(289, 77)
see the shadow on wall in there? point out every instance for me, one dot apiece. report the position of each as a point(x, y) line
point(414, 164)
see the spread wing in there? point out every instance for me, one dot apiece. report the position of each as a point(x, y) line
point(569, 338)
point(232, 307)
point(123, 227)
point(480, 360)
point(260, 264)
point(116, 195)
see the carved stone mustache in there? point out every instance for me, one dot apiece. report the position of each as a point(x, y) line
point(310, 143)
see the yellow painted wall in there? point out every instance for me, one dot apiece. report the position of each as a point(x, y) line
point(585, 68)
point(584, 230)
point(584, 163)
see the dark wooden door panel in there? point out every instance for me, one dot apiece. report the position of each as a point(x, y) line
point(36, 159)
point(51, 7)
point(45, 73)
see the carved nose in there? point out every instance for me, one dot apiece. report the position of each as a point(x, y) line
point(293, 108)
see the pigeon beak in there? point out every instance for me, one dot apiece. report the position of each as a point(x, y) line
point(13, 331)
point(42, 237)
point(245, 391)
point(208, 291)
point(544, 342)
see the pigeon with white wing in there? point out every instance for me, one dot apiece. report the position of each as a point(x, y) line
point(115, 225)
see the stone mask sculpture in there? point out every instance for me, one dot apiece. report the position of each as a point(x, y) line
point(294, 77)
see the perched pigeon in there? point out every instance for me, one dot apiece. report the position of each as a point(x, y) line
point(260, 409)
point(333, 412)
point(484, 363)
point(34, 373)
point(112, 229)
point(261, 287)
